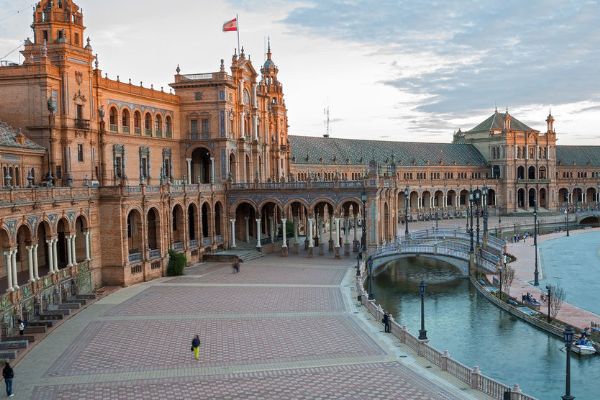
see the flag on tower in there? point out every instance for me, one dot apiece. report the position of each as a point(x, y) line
point(230, 26)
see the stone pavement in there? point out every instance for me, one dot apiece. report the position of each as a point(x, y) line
point(524, 267)
point(280, 329)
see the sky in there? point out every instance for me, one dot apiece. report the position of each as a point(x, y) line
point(389, 70)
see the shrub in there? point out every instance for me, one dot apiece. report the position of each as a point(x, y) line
point(177, 263)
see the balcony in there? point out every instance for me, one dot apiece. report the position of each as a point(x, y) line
point(193, 244)
point(135, 257)
point(82, 124)
point(206, 241)
point(199, 136)
point(177, 246)
point(114, 128)
point(154, 253)
point(125, 129)
point(148, 132)
point(138, 130)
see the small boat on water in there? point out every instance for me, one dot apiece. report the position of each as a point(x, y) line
point(583, 346)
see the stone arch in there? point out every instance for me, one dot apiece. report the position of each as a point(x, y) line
point(43, 233)
point(245, 214)
point(438, 199)
point(577, 195)
point(168, 126)
point(205, 219)
point(531, 172)
point(134, 233)
point(24, 240)
point(463, 199)
point(4, 246)
point(125, 120)
point(590, 220)
point(63, 230)
point(113, 118)
point(414, 200)
point(563, 195)
point(521, 198)
point(177, 224)
point(201, 165)
point(491, 197)
point(520, 172)
point(532, 197)
point(153, 226)
point(232, 167)
point(192, 221)
point(426, 199)
point(158, 124)
point(81, 227)
point(451, 198)
point(219, 219)
point(270, 212)
point(543, 200)
point(137, 122)
point(148, 124)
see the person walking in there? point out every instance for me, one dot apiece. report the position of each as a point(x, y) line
point(21, 327)
point(386, 322)
point(196, 346)
point(8, 375)
point(236, 265)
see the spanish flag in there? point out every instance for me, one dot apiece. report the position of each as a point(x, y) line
point(230, 26)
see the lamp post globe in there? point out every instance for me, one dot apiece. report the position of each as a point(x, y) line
point(568, 337)
point(422, 331)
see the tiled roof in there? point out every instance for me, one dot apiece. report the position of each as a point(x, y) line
point(8, 138)
point(311, 150)
point(580, 155)
point(496, 122)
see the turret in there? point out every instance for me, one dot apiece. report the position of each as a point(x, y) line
point(550, 123)
point(58, 21)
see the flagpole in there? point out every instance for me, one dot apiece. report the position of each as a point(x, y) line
point(237, 20)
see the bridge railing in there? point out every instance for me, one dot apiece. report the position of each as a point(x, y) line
point(470, 376)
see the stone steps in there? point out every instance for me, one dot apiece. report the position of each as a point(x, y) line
point(13, 345)
point(69, 306)
point(35, 329)
point(8, 354)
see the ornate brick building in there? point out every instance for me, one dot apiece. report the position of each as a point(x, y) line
point(102, 177)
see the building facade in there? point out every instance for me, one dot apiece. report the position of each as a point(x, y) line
point(103, 177)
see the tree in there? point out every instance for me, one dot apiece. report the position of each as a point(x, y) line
point(556, 299)
point(177, 263)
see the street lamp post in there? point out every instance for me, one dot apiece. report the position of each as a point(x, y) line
point(363, 239)
point(477, 201)
point(422, 331)
point(371, 295)
point(567, 219)
point(436, 220)
point(406, 212)
point(549, 299)
point(485, 215)
point(471, 200)
point(568, 337)
point(536, 273)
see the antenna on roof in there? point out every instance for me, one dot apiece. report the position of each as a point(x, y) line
point(327, 122)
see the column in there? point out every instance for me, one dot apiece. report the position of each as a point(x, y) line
point(189, 170)
point(247, 229)
point(55, 254)
point(242, 120)
point(296, 230)
point(69, 251)
point(272, 228)
point(87, 245)
point(74, 248)
point(255, 127)
point(311, 243)
point(212, 170)
point(8, 262)
point(336, 243)
point(50, 256)
point(284, 247)
point(30, 259)
point(258, 246)
point(232, 233)
point(35, 262)
point(14, 269)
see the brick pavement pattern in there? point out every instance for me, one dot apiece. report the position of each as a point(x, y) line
point(168, 300)
point(157, 344)
point(371, 381)
point(270, 275)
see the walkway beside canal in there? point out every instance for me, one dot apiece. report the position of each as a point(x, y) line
point(524, 267)
point(280, 329)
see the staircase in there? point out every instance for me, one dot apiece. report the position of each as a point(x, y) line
point(13, 347)
point(245, 254)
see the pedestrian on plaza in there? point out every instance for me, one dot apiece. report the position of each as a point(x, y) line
point(386, 322)
point(196, 346)
point(236, 265)
point(21, 327)
point(8, 374)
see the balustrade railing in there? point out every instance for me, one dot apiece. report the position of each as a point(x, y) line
point(154, 253)
point(135, 257)
point(206, 241)
point(193, 244)
point(177, 246)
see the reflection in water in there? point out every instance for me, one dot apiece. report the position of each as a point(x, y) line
point(476, 332)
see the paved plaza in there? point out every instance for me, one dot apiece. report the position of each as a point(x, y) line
point(283, 328)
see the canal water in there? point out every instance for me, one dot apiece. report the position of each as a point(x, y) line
point(476, 332)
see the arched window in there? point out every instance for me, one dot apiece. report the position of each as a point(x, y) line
point(137, 122)
point(125, 121)
point(158, 128)
point(148, 124)
point(168, 127)
point(113, 119)
point(246, 97)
